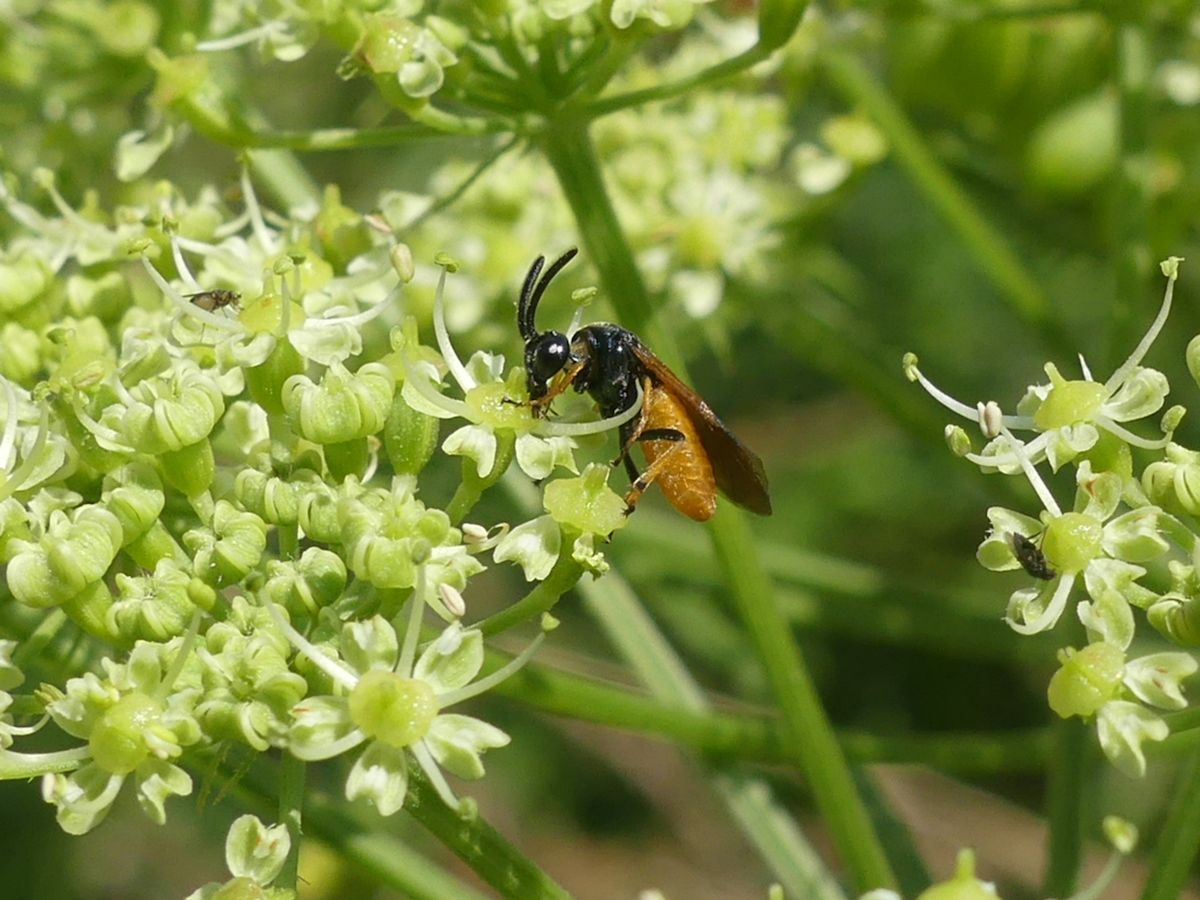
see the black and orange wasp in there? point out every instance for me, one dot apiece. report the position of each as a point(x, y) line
point(689, 451)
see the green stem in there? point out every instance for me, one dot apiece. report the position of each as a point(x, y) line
point(683, 717)
point(388, 859)
point(361, 841)
point(29, 650)
point(807, 730)
point(721, 71)
point(1180, 837)
point(564, 576)
point(1066, 798)
point(989, 248)
point(569, 149)
point(1133, 257)
point(449, 199)
point(291, 797)
point(479, 845)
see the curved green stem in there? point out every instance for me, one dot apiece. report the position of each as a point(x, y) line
point(671, 89)
point(565, 574)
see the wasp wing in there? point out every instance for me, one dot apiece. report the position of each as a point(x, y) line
point(739, 472)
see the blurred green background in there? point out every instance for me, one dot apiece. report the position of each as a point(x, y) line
point(987, 184)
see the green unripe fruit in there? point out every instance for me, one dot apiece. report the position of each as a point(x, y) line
point(265, 381)
point(1068, 403)
point(409, 437)
point(118, 742)
point(191, 469)
point(391, 708)
point(1087, 680)
point(242, 888)
point(1072, 541)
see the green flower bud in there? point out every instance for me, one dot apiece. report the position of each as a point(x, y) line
point(586, 504)
point(343, 406)
point(409, 437)
point(317, 513)
point(23, 279)
point(963, 886)
point(1069, 402)
point(272, 499)
point(1072, 541)
point(75, 552)
point(1087, 679)
point(265, 382)
point(1192, 355)
point(402, 261)
point(90, 608)
point(1177, 617)
point(173, 412)
point(778, 21)
point(1075, 148)
point(316, 580)
point(957, 440)
point(152, 608)
point(126, 27)
point(134, 494)
point(190, 469)
point(393, 709)
point(1123, 835)
point(106, 297)
point(231, 547)
point(342, 232)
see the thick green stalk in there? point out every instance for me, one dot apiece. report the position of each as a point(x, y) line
point(479, 845)
point(1180, 837)
point(1066, 799)
point(291, 800)
point(1132, 257)
point(807, 729)
point(569, 149)
point(989, 248)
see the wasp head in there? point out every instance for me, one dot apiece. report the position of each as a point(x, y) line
point(547, 352)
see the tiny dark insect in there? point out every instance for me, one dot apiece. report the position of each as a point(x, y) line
point(689, 451)
point(218, 299)
point(1031, 558)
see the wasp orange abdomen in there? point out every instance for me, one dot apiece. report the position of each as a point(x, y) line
point(688, 481)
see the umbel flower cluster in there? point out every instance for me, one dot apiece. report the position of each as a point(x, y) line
point(215, 423)
point(1125, 545)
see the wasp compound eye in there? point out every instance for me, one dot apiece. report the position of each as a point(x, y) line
point(546, 357)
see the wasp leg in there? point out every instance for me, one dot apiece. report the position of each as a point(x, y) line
point(656, 468)
point(561, 382)
point(631, 433)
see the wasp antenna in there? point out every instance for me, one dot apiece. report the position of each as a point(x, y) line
point(524, 309)
point(555, 267)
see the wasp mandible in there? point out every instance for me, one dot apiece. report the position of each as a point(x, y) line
point(689, 451)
